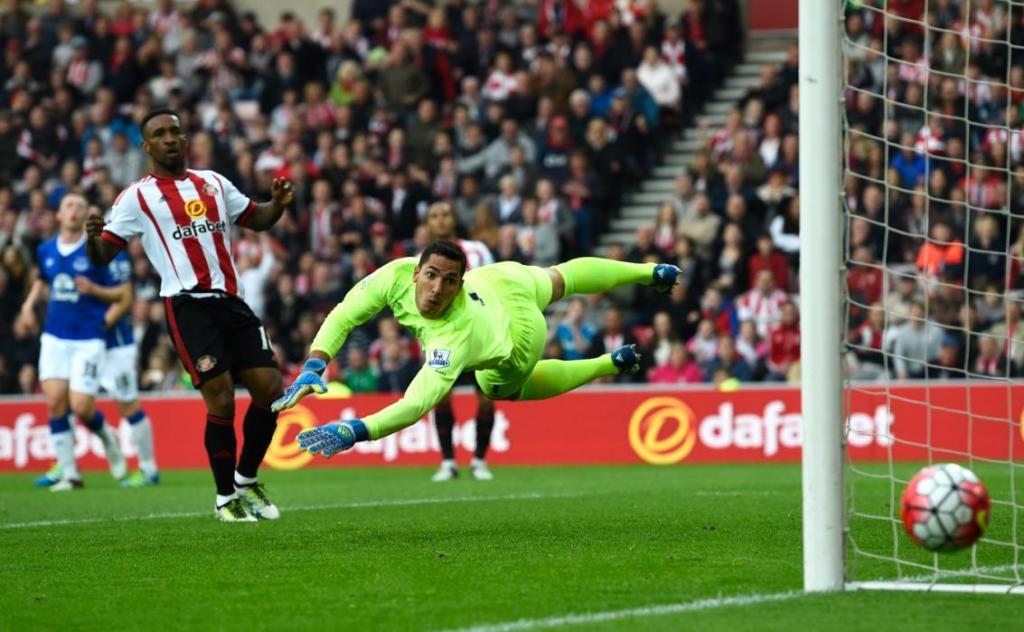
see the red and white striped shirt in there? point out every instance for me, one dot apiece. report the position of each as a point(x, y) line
point(765, 311)
point(477, 253)
point(499, 86)
point(674, 52)
point(185, 226)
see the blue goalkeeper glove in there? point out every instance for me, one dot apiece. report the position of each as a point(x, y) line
point(310, 380)
point(330, 439)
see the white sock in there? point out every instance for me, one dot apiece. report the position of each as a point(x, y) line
point(106, 434)
point(142, 435)
point(477, 462)
point(449, 463)
point(242, 481)
point(64, 447)
point(223, 500)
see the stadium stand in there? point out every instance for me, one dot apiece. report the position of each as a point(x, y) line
point(539, 121)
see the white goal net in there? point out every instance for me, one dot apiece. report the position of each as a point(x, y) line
point(933, 183)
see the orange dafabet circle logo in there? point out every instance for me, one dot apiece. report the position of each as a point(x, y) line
point(662, 430)
point(1021, 424)
point(286, 455)
point(195, 209)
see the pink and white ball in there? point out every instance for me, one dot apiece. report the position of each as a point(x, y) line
point(945, 508)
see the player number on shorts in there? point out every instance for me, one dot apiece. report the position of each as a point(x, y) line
point(90, 370)
point(265, 338)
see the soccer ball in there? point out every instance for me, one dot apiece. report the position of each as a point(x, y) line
point(945, 507)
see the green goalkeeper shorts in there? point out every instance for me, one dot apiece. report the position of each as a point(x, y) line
point(525, 291)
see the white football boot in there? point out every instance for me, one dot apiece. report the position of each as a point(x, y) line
point(448, 471)
point(66, 485)
point(233, 511)
point(255, 499)
point(480, 470)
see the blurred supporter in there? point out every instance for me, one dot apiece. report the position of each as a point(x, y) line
point(768, 258)
point(726, 359)
point(658, 346)
point(990, 361)
point(611, 336)
point(704, 344)
point(396, 368)
point(359, 376)
point(784, 343)
point(763, 304)
point(574, 333)
point(914, 344)
point(940, 253)
point(865, 358)
point(680, 368)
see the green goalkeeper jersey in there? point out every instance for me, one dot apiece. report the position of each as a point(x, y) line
point(473, 334)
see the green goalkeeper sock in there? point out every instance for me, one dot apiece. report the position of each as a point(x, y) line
point(591, 275)
point(554, 377)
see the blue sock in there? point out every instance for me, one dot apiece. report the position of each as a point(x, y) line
point(96, 423)
point(59, 424)
point(136, 417)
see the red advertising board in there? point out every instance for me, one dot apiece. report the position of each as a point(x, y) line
point(662, 426)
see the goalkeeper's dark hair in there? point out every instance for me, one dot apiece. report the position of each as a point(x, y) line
point(448, 250)
point(152, 114)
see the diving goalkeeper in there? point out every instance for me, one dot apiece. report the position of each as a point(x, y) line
point(489, 320)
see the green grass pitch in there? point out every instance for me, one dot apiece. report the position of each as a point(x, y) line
point(386, 549)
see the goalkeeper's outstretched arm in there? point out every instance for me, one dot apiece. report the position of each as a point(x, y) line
point(426, 390)
point(362, 302)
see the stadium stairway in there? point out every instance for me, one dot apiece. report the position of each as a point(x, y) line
point(640, 206)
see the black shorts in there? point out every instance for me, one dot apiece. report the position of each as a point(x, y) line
point(217, 334)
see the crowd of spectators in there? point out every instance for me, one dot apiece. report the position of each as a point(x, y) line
point(533, 118)
point(935, 188)
point(934, 194)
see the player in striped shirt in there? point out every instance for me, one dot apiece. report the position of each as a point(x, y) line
point(441, 223)
point(184, 219)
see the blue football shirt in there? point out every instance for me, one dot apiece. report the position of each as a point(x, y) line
point(70, 315)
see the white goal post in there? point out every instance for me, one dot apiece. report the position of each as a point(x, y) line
point(852, 534)
point(820, 281)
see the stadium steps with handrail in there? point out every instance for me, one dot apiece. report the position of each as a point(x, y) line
point(640, 207)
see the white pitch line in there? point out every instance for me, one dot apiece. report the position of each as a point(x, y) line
point(631, 613)
point(958, 572)
point(400, 502)
point(734, 493)
point(940, 574)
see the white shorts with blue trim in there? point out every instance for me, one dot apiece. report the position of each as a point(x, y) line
point(77, 361)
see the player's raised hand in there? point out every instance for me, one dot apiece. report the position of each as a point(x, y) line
point(282, 191)
point(330, 439)
point(310, 380)
point(94, 224)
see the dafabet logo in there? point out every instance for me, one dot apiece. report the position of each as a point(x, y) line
point(662, 430)
point(284, 452)
point(195, 209)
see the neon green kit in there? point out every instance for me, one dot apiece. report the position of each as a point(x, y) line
point(495, 326)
